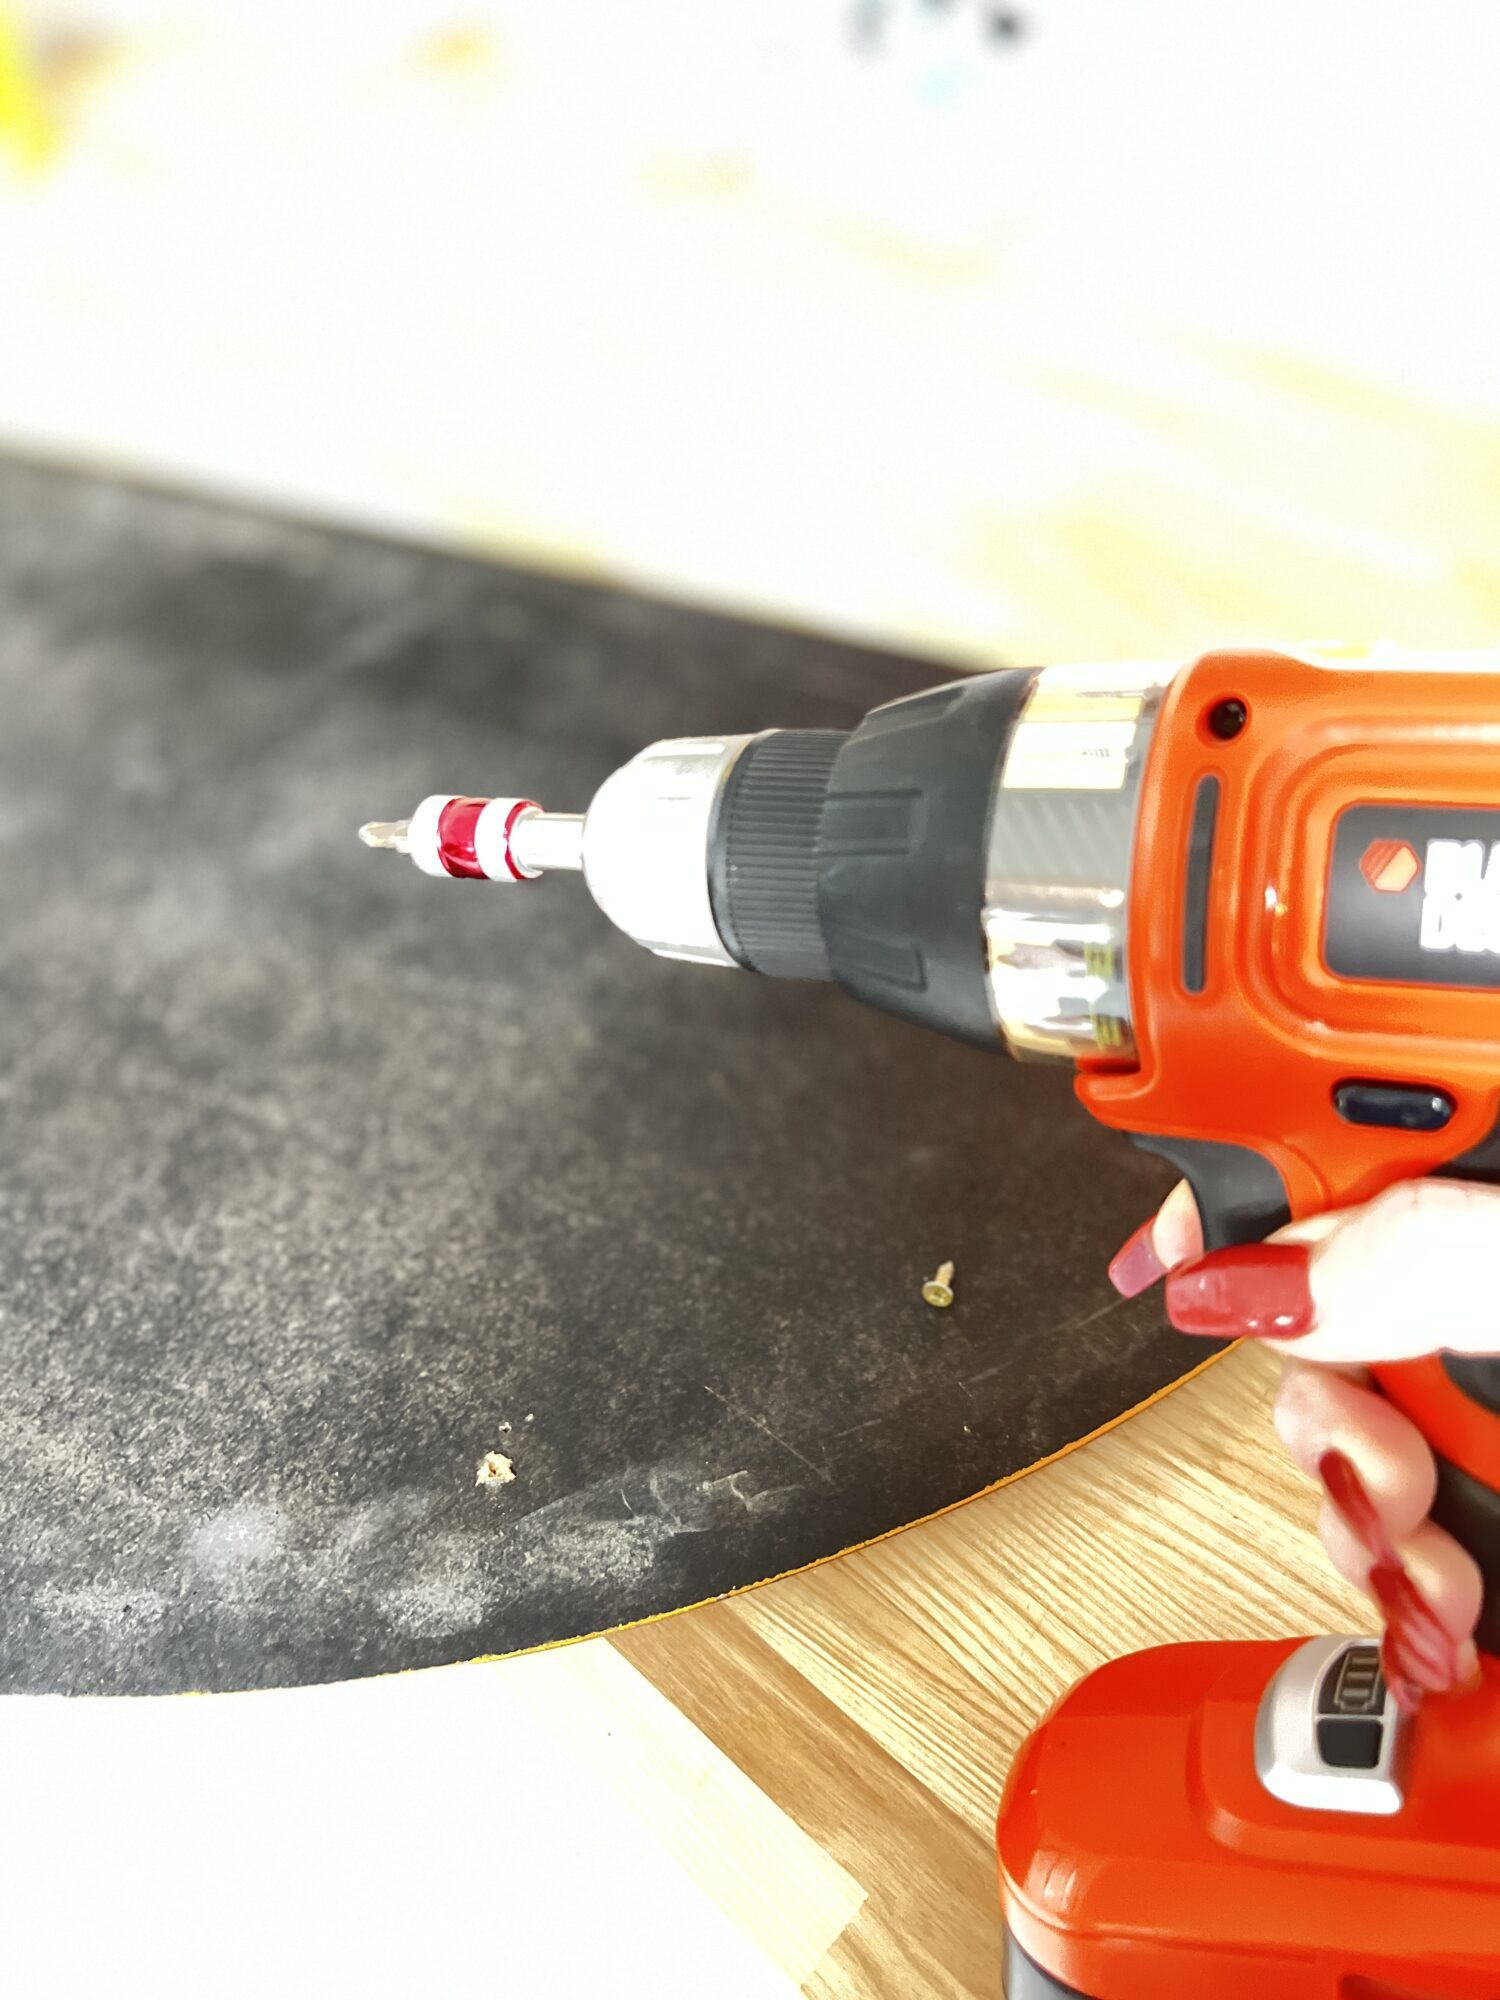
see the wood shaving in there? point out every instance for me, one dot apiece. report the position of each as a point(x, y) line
point(495, 1469)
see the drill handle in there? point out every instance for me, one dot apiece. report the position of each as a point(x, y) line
point(1467, 1507)
point(1454, 1400)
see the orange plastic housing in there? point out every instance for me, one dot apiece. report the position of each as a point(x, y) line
point(1255, 1057)
point(1142, 1859)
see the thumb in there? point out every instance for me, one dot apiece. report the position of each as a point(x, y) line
point(1406, 1274)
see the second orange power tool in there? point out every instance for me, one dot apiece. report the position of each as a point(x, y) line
point(1255, 900)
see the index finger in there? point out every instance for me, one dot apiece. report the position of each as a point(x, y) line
point(1410, 1273)
point(1173, 1236)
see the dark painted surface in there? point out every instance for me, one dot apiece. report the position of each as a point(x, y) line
point(321, 1180)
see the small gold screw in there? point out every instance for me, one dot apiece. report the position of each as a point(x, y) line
point(938, 1291)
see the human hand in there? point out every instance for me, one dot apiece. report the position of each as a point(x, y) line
point(1406, 1274)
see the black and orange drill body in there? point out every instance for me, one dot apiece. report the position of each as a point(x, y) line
point(1315, 988)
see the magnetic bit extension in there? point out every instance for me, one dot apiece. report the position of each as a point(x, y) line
point(486, 840)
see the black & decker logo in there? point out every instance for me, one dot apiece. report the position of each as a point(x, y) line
point(1414, 896)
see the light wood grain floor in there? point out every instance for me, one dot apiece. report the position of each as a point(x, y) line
point(824, 1755)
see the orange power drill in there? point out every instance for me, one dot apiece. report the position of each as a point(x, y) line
point(1256, 902)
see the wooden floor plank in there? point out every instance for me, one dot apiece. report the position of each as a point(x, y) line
point(930, 1927)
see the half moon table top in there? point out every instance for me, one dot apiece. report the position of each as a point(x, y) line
point(321, 1181)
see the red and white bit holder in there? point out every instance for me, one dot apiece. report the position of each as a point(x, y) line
point(470, 838)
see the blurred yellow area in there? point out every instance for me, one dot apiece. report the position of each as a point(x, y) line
point(27, 128)
point(1134, 332)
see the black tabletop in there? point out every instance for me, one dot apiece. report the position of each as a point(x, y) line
point(320, 1180)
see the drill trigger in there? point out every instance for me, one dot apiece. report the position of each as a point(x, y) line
point(1241, 1197)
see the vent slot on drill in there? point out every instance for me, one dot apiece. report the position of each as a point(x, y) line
point(1200, 867)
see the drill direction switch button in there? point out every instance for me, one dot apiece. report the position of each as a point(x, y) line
point(1393, 1107)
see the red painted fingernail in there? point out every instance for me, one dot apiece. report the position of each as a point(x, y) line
point(1411, 1669)
point(1406, 1694)
point(1419, 1652)
point(1259, 1291)
point(1135, 1266)
point(1351, 1496)
point(1425, 1648)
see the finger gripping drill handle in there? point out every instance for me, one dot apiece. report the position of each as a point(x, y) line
point(1455, 1402)
point(1453, 1399)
